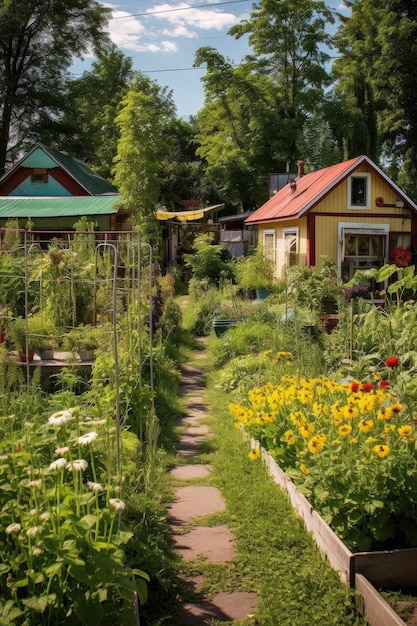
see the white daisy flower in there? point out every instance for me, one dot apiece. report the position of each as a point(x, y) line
point(45, 516)
point(37, 552)
point(117, 504)
point(3, 457)
point(94, 486)
point(86, 439)
point(36, 484)
point(58, 464)
point(79, 465)
point(13, 528)
point(61, 451)
point(60, 417)
point(32, 532)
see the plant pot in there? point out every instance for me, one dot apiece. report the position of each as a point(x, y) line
point(47, 355)
point(329, 321)
point(2, 337)
point(86, 355)
point(261, 294)
point(24, 358)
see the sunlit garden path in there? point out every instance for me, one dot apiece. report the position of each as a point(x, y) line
point(244, 557)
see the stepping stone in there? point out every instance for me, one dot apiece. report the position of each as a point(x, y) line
point(191, 471)
point(224, 607)
point(194, 501)
point(213, 542)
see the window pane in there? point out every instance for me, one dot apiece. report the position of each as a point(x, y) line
point(358, 191)
point(350, 249)
point(363, 245)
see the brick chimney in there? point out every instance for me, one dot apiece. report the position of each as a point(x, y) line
point(300, 172)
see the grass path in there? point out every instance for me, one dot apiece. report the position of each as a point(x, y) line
point(276, 557)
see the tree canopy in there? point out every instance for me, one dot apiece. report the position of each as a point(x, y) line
point(38, 41)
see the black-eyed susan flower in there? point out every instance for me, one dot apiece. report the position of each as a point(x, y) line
point(405, 431)
point(381, 450)
point(254, 454)
point(345, 429)
point(366, 425)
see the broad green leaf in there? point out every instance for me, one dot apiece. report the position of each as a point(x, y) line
point(55, 569)
point(88, 521)
point(4, 568)
point(36, 603)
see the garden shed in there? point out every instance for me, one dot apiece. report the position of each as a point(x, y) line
point(53, 191)
point(351, 213)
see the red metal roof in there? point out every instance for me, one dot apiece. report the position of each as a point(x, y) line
point(296, 199)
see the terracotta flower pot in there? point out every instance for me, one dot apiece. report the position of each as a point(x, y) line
point(24, 358)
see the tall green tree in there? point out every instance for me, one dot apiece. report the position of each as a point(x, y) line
point(38, 41)
point(143, 121)
point(376, 73)
point(88, 128)
point(253, 118)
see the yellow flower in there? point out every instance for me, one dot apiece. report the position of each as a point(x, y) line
point(254, 454)
point(381, 450)
point(306, 431)
point(405, 431)
point(304, 469)
point(345, 429)
point(396, 408)
point(350, 412)
point(316, 443)
point(290, 437)
point(366, 425)
point(353, 440)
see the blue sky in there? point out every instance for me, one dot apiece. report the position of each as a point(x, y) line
point(162, 38)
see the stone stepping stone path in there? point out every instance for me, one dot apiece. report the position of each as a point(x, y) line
point(213, 543)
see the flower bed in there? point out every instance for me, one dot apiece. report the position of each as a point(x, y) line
point(349, 447)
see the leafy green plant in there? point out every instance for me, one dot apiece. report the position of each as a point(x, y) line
point(255, 271)
point(62, 543)
point(206, 261)
point(349, 447)
point(81, 338)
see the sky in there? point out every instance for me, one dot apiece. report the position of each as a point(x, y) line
point(163, 37)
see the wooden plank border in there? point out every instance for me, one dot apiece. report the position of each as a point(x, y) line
point(368, 601)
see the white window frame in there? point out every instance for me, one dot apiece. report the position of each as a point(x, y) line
point(269, 252)
point(286, 234)
point(353, 228)
point(359, 207)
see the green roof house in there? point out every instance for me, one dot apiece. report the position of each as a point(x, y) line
point(54, 191)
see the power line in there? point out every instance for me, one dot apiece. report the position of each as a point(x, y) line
point(199, 6)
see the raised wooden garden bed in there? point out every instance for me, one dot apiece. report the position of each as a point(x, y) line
point(364, 572)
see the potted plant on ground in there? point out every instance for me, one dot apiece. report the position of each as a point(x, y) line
point(256, 273)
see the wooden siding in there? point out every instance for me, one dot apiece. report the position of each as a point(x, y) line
point(301, 224)
point(336, 200)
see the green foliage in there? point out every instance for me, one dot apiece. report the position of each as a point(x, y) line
point(255, 271)
point(144, 115)
point(206, 261)
point(41, 42)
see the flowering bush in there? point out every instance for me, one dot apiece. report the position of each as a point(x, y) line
point(401, 256)
point(61, 540)
point(349, 446)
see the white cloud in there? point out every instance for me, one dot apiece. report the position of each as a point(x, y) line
point(205, 19)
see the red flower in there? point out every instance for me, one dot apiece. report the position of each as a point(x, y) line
point(367, 387)
point(401, 256)
point(354, 387)
point(384, 384)
point(392, 361)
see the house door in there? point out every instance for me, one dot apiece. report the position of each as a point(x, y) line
point(361, 250)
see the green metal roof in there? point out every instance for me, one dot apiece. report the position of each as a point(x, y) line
point(41, 156)
point(12, 207)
